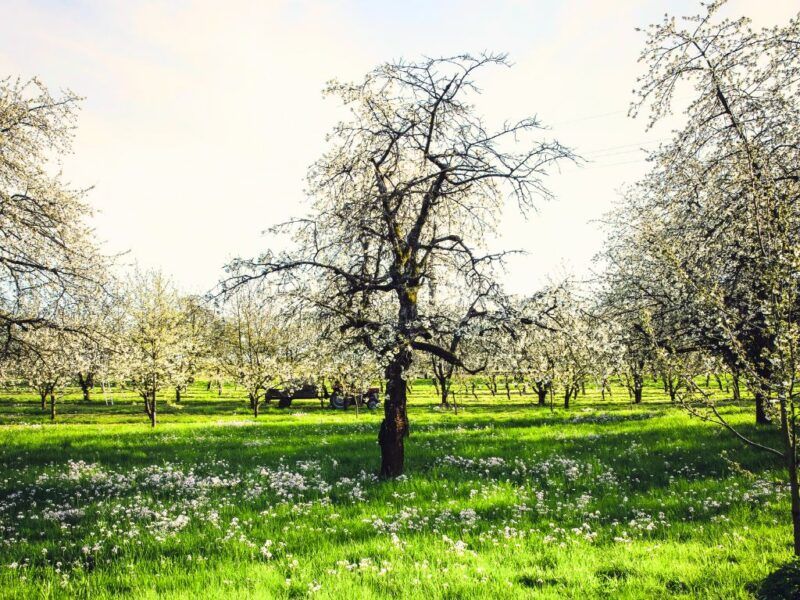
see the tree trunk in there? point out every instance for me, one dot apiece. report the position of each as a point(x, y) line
point(790, 455)
point(150, 408)
point(254, 404)
point(52, 406)
point(507, 386)
point(86, 384)
point(394, 427)
point(673, 390)
point(567, 395)
point(444, 392)
point(795, 495)
point(43, 396)
point(178, 395)
point(762, 418)
point(638, 386)
point(541, 392)
point(637, 395)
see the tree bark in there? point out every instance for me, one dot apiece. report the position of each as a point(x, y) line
point(52, 406)
point(86, 384)
point(638, 385)
point(762, 418)
point(672, 389)
point(541, 392)
point(444, 391)
point(150, 408)
point(737, 392)
point(790, 455)
point(795, 495)
point(178, 395)
point(394, 427)
point(43, 396)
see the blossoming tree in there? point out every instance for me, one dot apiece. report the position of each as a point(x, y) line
point(414, 180)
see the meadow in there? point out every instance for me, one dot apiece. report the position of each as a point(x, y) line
point(503, 500)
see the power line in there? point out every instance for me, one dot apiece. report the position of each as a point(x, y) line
point(624, 162)
point(590, 117)
point(642, 143)
point(617, 153)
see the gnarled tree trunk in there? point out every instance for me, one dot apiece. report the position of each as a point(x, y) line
point(394, 428)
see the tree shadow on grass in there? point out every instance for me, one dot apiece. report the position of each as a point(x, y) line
point(781, 584)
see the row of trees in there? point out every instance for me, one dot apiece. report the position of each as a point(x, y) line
point(704, 252)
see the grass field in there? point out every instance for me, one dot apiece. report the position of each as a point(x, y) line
point(503, 500)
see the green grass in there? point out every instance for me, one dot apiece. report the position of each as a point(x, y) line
point(504, 500)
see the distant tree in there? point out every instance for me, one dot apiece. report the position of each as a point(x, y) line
point(476, 326)
point(98, 319)
point(153, 344)
point(197, 329)
point(413, 183)
point(534, 349)
point(254, 349)
point(48, 365)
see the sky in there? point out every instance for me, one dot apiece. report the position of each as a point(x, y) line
point(201, 118)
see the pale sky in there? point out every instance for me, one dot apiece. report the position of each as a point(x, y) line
point(201, 117)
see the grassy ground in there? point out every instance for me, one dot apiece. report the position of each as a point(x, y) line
point(503, 500)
